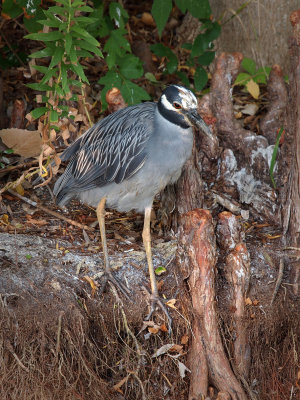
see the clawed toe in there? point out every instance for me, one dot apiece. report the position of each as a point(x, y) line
point(155, 300)
point(109, 277)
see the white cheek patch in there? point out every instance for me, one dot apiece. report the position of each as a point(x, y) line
point(166, 103)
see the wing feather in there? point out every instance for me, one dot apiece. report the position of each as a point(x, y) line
point(111, 151)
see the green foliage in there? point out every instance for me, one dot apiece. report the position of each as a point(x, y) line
point(66, 43)
point(258, 75)
point(201, 52)
point(274, 156)
point(122, 65)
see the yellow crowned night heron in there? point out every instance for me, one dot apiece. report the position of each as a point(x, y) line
point(128, 157)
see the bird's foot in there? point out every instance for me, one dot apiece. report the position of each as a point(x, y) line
point(155, 300)
point(108, 276)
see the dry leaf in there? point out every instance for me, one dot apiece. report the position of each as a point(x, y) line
point(184, 339)
point(153, 330)
point(92, 284)
point(253, 88)
point(163, 349)
point(255, 302)
point(248, 301)
point(147, 19)
point(171, 303)
point(250, 109)
point(121, 383)
point(182, 369)
point(24, 143)
point(177, 348)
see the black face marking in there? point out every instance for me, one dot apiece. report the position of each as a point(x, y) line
point(171, 95)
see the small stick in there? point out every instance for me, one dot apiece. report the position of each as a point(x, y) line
point(53, 213)
point(278, 280)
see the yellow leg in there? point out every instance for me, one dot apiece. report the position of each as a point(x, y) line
point(109, 276)
point(147, 243)
point(101, 218)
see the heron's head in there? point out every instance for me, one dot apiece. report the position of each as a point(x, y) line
point(179, 106)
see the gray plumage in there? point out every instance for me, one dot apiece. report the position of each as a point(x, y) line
point(131, 155)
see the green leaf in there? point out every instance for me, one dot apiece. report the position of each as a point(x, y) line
point(79, 71)
point(11, 8)
point(68, 42)
point(249, 65)
point(39, 86)
point(84, 34)
point(161, 10)
point(274, 156)
point(87, 46)
point(132, 93)
point(57, 57)
point(213, 32)
point(199, 8)
point(184, 79)
point(151, 77)
point(73, 55)
point(162, 51)
point(200, 78)
point(131, 67)
point(85, 9)
point(38, 112)
point(45, 37)
point(48, 75)
point(40, 68)
point(242, 79)
point(46, 52)
point(55, 10)
point(85, 20)
point(117, 12)
point(160, 270)
point(182, 5)
point(48, 22)
point(206, 58)
point(200, 45)
point(111, 79)
point(54, 116)
point(64, 77)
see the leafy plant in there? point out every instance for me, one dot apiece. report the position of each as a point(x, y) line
point(67, 43)
point(31, 11)
point(252, 76)
point(122, 65)
point(201, 52)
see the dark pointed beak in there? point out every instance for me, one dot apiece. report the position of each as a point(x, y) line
point(198, 122)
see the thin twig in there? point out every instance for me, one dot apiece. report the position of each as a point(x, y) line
point(58, 332)
point(53, 213)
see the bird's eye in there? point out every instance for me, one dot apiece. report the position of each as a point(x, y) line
point(176, 105)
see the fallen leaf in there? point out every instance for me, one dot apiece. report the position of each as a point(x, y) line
point(92, 283)
point(184, 339)
point(250, 109)
point(153, 330)
point(117, 386)
point(182, 369)
point(39, 222)
point(255, 302)
point(171, 303)
point(24, 143)
point(163, 328)
point(253, 88)
point(177, 348)
point(248, 301)
point(163, 349)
